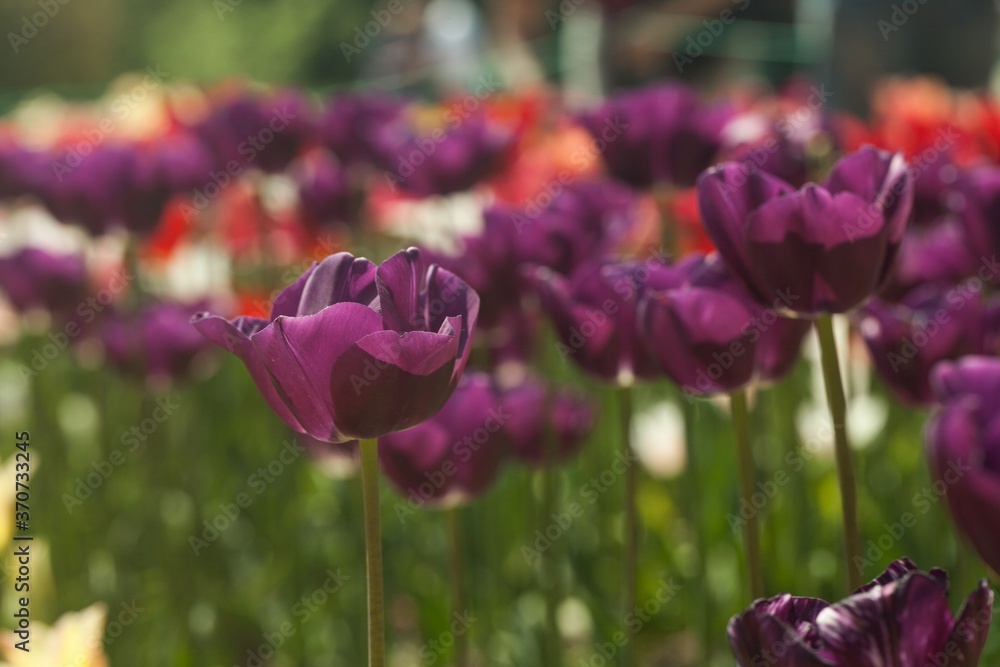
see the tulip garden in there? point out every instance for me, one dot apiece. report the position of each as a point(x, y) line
point(680, 377)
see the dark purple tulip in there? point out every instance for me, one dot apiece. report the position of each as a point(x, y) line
point(900, 619)
point(21, 171)
point(908, 338)
point(455, 455)
point(178, 165)
point(981, 191)
point(710, 337)
point(536, 414)
point(350, 123)
point(33, 278)
point(579, 224)
point(660, 134)
point(963, 445)
point(264, 133)
point(938, 253)
point(324, 190)
point(442, 161)
point(593, 312)
point(826, 247)
point(91, 193)
point(352, 351)
point(157, 342)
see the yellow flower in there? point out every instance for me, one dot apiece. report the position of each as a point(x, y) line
point(76, 640)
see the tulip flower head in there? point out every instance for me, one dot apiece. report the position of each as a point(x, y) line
point(830, 245)
point(901, 619)
point(354, 351)
point(963, 445)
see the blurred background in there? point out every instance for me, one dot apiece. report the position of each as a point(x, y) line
point(134, 469)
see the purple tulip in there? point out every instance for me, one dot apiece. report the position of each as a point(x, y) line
point(453, 456)
point(442, 161)
point(963, 445)
point(709, 336)
point(92, 192)
point(660, 134)
point(582, 223)
point(265, 133)
point(324, 191)
point(900, 619)
point(594, 314)
point(907, 339)
point(829, 246)
point(159, 172)
point(534, 414)
point(352, 351)
point(157, 342)
point(33, 278)
point(350, 123)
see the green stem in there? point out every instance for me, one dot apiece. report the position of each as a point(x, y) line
point(845, 470)
point(373, 553)
point(751, 536)
point(457, 583)
point(552, 642)
point(631, 525)
point(692, 485)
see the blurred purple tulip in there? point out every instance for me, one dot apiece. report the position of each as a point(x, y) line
point(92, 192)
point(963, 445)
point(709, 336)
point(33, 278)
point(455, 455)
point(265, 132)
point(352, 351)
point(159, 172)
point(157, 343)
point(324, 191)
point(900, 619)
point(594, 310)
point(906, 339)
point(445, 160)
point(825, 247)
point(660, 134)
point(349, 125)
point(536, 414)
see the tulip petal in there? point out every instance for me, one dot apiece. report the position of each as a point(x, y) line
point(767, 633)
point(813, 246)
point(968, 637)
point(904, 623)
point(287, 302)
point(401, 283)
point(301, 353)
point(235, 337)
point(727, 196)
point(337, 279)
point(389, 381)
